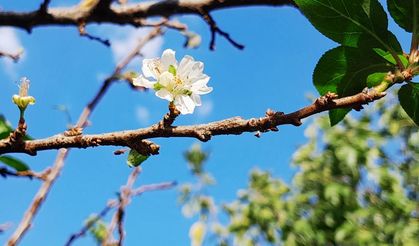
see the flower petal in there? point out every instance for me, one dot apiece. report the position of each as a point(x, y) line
point(203, 90)
point(164, 94)
point(141, 81)
point(184, 104)
point(166, 79)
point(197, 99)
point(168, 58)
point(151, 68)
point(185, 67)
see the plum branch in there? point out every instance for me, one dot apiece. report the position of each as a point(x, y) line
point(203, 132)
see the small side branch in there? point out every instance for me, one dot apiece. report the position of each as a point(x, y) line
point(4, 172)
point(215, 29)
point(14, 56)
point(114, 203)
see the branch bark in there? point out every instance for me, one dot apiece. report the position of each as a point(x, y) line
point(203, 132)
point(124, 14)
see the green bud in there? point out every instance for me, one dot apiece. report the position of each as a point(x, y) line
point(23, 99)
point(172, 70)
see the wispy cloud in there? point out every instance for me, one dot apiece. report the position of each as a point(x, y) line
point(10, 43)
point(205, 109)
point(124, 41)
point(143, 115)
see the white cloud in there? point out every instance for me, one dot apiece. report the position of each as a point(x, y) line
point(205, 109)
point(9, 43)
point(143, 115)
point(123, 41)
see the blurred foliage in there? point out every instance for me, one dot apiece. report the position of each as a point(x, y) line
point(97, 227)
point(356, 184)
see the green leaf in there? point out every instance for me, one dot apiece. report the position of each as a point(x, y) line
point(5, 128)
point(409, 99)
point(345, 70)
point(387, 55)
point(405, 13)
point(375, 79)
point(135, 159)
point(14, 163)
point(349, 22)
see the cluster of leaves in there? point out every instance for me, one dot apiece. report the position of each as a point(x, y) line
point(17, 165)
point(194, 198)
point(354, 186)
point(368, 51)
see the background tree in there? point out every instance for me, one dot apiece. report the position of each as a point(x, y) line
point(356, 184)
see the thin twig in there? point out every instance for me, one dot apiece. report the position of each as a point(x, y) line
point(111, 204)
point(170, 117)
point(42, 193)
point(215, 29)
point(4, 227)
point(28, 173)
point(15, 57)
point(124, 199)
point(84, 33)
point(114, 203)
point(44, 6)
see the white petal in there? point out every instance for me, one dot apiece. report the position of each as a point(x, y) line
point(164, 94)
point(168, 58)
point(197, 99)
point(185, 67)
point(151, 68)
point(166, 79)
point(197, 70)
point(200, 81)
point(184, 104)
point(203, 90)
point(141, 81)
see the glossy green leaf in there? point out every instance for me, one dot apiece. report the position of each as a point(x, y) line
point(5, 128)
point(409, 99)
point(14, 163)
point(344, 70)
point(135, 159)
point(387, 55)
point(405, 13)
point(349, 22)
point(375, 79)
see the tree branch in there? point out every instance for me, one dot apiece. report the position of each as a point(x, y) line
point(123, 14)
point(114, 203)
point(15, 57)
point(28, 173)
point(63, 153)
point(203, 132)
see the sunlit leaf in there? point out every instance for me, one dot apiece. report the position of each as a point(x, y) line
point(14, 163)
point(345, 70)
point(135, 159)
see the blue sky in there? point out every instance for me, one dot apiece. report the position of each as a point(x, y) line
point(273, 71)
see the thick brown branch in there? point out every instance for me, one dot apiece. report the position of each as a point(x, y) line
point(124, 14)
point(203, 132)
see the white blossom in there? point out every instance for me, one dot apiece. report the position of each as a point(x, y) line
point(181, 83)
